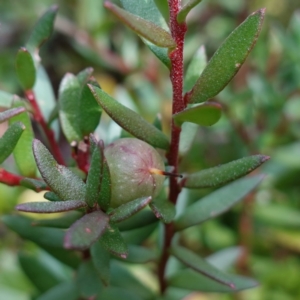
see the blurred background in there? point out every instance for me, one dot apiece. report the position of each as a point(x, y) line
point(261, 115)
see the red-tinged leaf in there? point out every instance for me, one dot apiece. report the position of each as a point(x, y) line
point(50, 207)
point(142, 27)
point(25, 69)
point(228, 59)
point(163, 210)
point(128, 209)
point(130, 120)
point(66, 184)
point(10, 139)
point(85, 231)
point(181, 16)
point(220, 175)
point(197, 263)
point(205, 114)
point(9, 113)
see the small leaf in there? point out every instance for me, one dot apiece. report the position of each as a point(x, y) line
point(9, 113)
point(101, 261)
point(220, 175)
point(69, 92)
point(149, 11)
point(181, 16)
point(42, 30)
point(130, 120)
point(6, 99)
point(191, 280)
point(146, 29)
point(84, 76)
point(128, 209)
point(205, 114)
point(187, 137)
point(112, 293)
point(195, 68)
point(62, 291)
point(50, 207)
point(105, 190)
point(140, 255)
point(66, 184)
point(85, 231)
point(217, 202)
point(52, 197)
point(228, 59)
point(25, 69)
point(113, 242)
point(163, 210)
point(23, 151)
point(10, 139)
point(197, 263)
point(34, 184)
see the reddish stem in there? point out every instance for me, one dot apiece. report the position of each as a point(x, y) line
point(10, 178)
point(176, 75)
point(38, 117)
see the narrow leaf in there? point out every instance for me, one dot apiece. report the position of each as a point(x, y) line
point(42, 30)
point(140, 255)
point(191, 280)
point(220, 175)
point(10, 139)
point(128, 209)
point(149, 11)
point(217, 202)
point(23, 151)
point(84, 232)
point(228, 59)
point(34, 184)
point(66, 184)
point(52, 197)
point(101, 261)
point(146, 29)
point(163, 210)
point(205, 114)
point(69, 92)
point(186, 9)
point(50, 207)
point(113, 292)
point(25, 69)
point(130, 120)
point(7, 114)
point(195, 68)
point(113, 242)
point(197, 263)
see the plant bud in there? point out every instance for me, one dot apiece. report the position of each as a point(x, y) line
point(135, 168)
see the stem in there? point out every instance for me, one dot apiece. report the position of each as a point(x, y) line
point(38, 117)
point(176, 76)
point(10, 178)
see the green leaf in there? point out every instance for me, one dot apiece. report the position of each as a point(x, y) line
point(85, 231)
point(112, 293)
point(187, 137)
point(101, 261)
point(186, 9)
point(163, 210)
point(5, 99)
point(197, 263)
point(42, 30)
point(217, 202)
point(62, 291)
point(228, 59)
point(9, 113)
point(149, 11)
point(148, 30)
point(25, 69)
point(69, 91)
point(50, 207)
point(23, 151)
point(34, 184)
point(130, 120)
point(140, 255)
point(222, 174)
point(66, 184)
point(128, 209)
point(191, 280)
point(195, 68)
point(205, 114)
point(10, 139)
point(113, 242)
point(37, 270)
point(52, 196)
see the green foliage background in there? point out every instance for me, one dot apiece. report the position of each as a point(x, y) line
point(262, 115)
